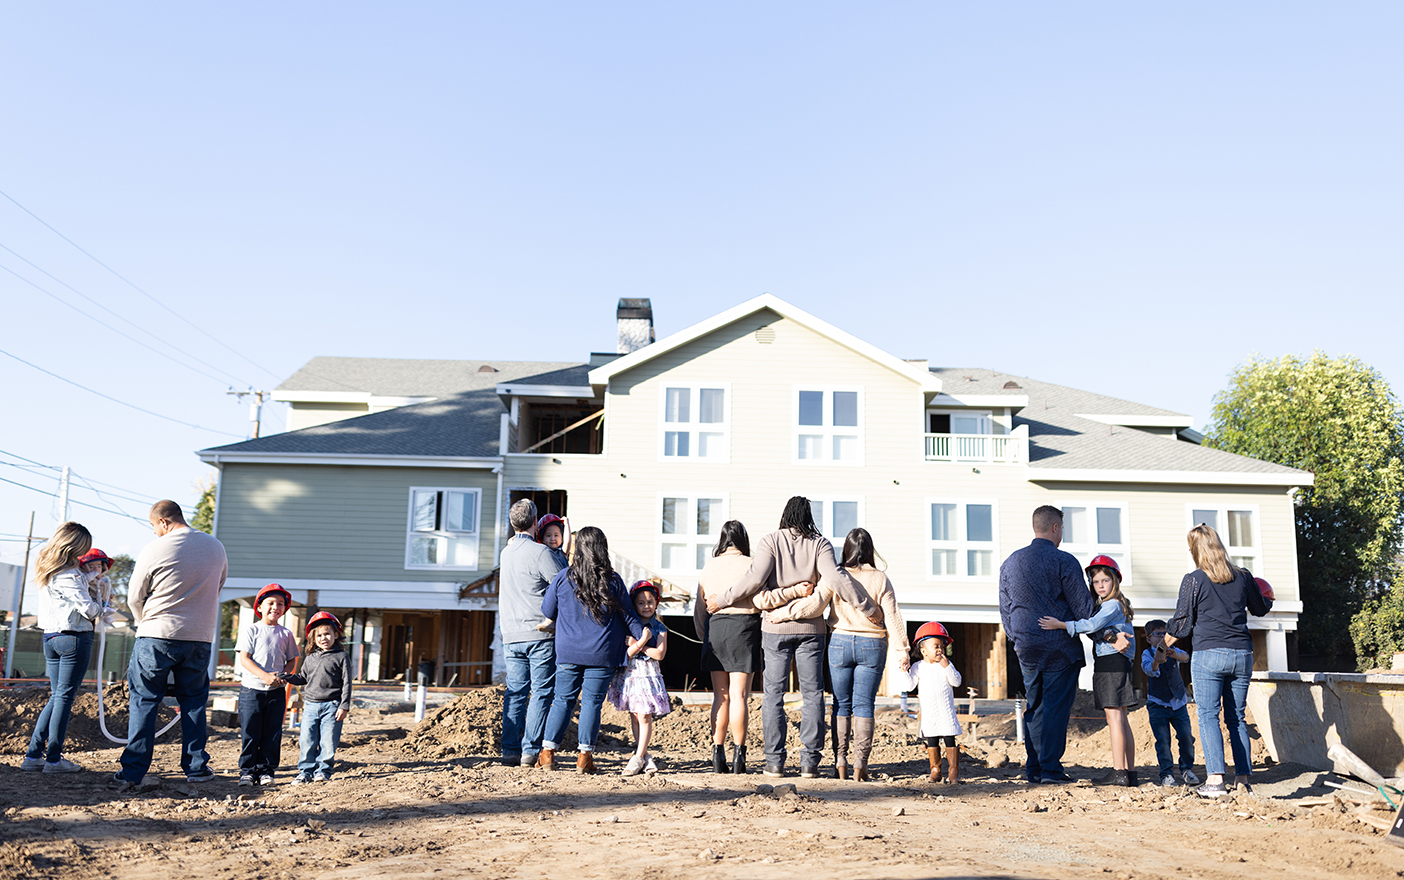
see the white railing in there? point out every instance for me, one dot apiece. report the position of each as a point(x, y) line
point(990, 448)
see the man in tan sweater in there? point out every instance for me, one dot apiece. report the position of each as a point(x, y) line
point(174, 596)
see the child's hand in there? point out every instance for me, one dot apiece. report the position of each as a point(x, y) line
point(943, 659)
point(905, 664)
point(341, 714)
point(1051, 623)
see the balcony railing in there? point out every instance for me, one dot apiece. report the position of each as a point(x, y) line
point(988, 448)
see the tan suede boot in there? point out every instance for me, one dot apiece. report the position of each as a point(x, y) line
point(585, 763)
point(933, 755)
point(862, 745)
point(546, 760)
point(843, 726)
point(953, 758)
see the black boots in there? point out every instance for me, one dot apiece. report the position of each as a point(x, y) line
point(738, 759)
point(719, 760)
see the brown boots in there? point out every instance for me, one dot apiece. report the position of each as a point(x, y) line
point(843, 727)
point(585, 763)
point(546, 760)
point(862, 745)
point(933, 756)
point(953, 758)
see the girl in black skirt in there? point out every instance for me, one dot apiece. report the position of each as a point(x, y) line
point(1111, 669)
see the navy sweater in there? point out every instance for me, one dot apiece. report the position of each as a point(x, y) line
point(1216, 615)
point(1042, 581)
point(579, 638)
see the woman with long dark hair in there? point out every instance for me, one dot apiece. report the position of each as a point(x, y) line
point(593, 617)
point(795, 554)
point(1215, 601)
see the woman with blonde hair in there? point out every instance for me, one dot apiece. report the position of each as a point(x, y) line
point(66, 613)
point(1215, 600)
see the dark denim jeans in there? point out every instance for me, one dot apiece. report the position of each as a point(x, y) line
point(807, 652)
point(856, 665)
point(261, 730)
point(1050, 694)
point(531, 680)
point(590, 684)
point(66, 660)
point(321, 734)
point(1223, 674)
point(1162, 718)
point(151, 664)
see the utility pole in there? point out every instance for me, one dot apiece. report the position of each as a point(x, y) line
point(63, 493)
point(18, 602)
point(255, 408)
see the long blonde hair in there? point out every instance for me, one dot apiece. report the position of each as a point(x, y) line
point(1116, 594)
point(1209, 554)
point(70, 541)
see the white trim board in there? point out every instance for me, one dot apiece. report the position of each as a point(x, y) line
point(995, 401)
point(522, 389)
point(424, 461)
point(1200, 478)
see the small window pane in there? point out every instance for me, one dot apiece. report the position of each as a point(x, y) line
point(462, 551)
point(979, 522)
point(817, 509)
point(671, 507)
point(711, 405)
point(811, 407)
point(969, 424)
point(846, 409)
point(705, 507)
point(1209, 518)
point(710, 445)
point(1244, 561)
point(940, 423)
point(943, 562)
point(1075, 530)
point(1240, 528)
point(675, 443)
point(675, 556)
point(845, 519)
point(703, 553)
point(845, 448)
point(459, 512)
point(677, 405)
point(1109, 525)
point(425, 507)
point(943, 523)
point(810, 447)
point(424, 551)
point(981, 562)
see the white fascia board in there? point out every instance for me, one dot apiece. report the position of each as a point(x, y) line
point(1172, 421)
point(1194, 478)
point(924, 378)
point(322, 396)
point(521, 389)
point(391, 595)
point(433, 461)
point(994, 401)
point(949, 611)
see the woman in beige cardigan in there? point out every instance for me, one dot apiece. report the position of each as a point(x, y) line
point(731, 640)
point(859, 650)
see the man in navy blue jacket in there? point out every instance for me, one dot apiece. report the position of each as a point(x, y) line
point(1036, 581)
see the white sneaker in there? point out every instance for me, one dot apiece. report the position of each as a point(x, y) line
point(62, 765)
point(634, 767)
point(1168, 780)
point(1189, 778)
point(302, 779)
point(32, 764)
point(265, 779)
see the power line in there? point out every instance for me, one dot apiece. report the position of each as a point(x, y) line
point(132, 284)
point(71, 501)
point(114, 314)
point(108, 501)
point(54, 467)
point(115, 400)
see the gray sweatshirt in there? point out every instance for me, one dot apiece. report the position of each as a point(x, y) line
point(526, 569)
point(325, 676)
point(783, 559)
point(174, 588)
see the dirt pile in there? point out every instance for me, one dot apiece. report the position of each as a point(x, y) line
point(20, 707)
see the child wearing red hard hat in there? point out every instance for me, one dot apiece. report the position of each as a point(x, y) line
point(325, 680)
point(265, 649)
point(935, 679)
point(638, 688)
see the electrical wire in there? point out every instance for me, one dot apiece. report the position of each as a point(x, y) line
point(72, 501)
point(115, 400)
point(110, 503)
point(54, 467)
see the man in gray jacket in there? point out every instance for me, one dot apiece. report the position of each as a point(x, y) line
point(530, 649)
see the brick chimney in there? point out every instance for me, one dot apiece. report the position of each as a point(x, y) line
point(635, 318)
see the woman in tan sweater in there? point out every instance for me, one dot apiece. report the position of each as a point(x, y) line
point(731, 640)
point(859, 650)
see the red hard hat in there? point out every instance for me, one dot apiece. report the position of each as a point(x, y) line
point(1265, 588)
point(547, 520)
point(645, 585)
point(1105, 561)
point(270, 590)
point(932, 630)
point(95, 555)
point(320, 618)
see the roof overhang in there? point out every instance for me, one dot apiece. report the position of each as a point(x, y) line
point(601, 375)
point(523, 389)
point(1201, 478)
point(1125, 421)
point(213, 457)
point(383, 401)
point(992, 401)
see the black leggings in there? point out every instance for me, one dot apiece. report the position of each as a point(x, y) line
point(935, 742)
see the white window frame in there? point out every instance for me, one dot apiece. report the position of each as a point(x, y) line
point(1085, 550)
point(987, 415)
point(689, 534)
point(693, 428)
point(1221, 510)
point(827, 431)
point(473, 538)
point(828, 518)
point(962, 545)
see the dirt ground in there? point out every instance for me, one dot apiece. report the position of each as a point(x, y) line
point(418, 801)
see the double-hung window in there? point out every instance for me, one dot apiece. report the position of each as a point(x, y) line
point(688, 528)
point(1098, 528)
point(1238, 528)
point(835, 517)
point(828, 426)
point(443, 528)
point(696, 422)
point(964, 538)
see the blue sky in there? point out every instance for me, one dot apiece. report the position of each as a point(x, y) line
point(1126, 198)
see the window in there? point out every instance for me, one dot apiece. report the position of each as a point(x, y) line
point(835, 518)
point(688, 527)
point(829, 426)
point(443, 528)
point(1098, 528)
point(1238, 529)
point(964, 539)
point(696, 420)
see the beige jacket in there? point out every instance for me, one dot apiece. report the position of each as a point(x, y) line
point(845, 619)
point(721, 572)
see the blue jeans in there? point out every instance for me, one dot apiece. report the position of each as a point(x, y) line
point(856, 665)
point(151, 664)
point(531, 670)
point(321, 734)
point(807, 652)
point(1050, 694)
point(589, 683)
point(1162, 718)
point(66, 660)
point(1223, 674)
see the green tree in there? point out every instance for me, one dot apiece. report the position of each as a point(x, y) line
point(1337, 418)
point(204, 508)
point(121, 575)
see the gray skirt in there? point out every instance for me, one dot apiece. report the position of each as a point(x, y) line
point(1111, 681)
point(733, 643)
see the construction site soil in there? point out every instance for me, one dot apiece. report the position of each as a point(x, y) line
point(432, 800)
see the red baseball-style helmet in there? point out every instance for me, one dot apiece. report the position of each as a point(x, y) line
point(932, 630)
point(1105, 561)
point(270, 590)
point(1265, 588)
point(95, 555)
point(320, 618)
point(548, 520)
point(645, 585)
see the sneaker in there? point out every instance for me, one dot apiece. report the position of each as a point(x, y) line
point(202, 777)
point(122, 784)
point(32, 764)
point(1189, 777)
point(774, 768)
point(634, 767)
point(528, 760)
point(246, 780)
point(319, 776)
point(265, 779)
point(649, 767)
point(301, 779)
point(1212, 790)
point(1054, 778)
point(62, 765)
point(1241, 784)
point(1168, 780)
point(512, 760)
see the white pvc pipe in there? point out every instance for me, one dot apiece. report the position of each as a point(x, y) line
point(1018, 721)
point(102, 712)
point(419, 700)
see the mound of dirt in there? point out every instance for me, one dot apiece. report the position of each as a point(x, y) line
point(20, 708)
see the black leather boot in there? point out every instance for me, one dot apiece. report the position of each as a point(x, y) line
point(719, 760)
point(738, 759)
